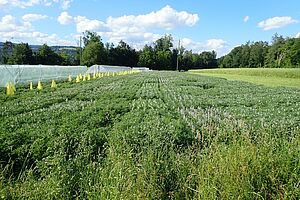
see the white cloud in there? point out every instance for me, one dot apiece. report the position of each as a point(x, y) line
point(137, 30)
point(218, 45)
point(85, 24)
point(276, 22)
point(165, 18)
point(22, 31)
point(246, 18)
point(65, 18)
point(33, 17)
point(298, 35)
point(65, 4)
point(19, 3)
point(9, 23)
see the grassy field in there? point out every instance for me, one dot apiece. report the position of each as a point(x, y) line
point(157, 135)
point(288, 77)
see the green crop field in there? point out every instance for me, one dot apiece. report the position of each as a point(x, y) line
point(156, 135)
point(274, 77)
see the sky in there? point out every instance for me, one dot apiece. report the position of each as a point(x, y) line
point(200, 25)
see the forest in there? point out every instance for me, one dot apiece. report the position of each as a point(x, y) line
point(161, 55)
point(281, 53)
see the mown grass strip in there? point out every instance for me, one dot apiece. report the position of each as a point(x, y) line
point(267, 77)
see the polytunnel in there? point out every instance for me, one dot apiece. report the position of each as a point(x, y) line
point(20, 74)
point(106, 68)
point(141, 68)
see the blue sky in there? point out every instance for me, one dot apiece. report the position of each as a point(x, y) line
point(200, 24)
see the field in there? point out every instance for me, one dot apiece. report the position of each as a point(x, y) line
point(274, 77)
point(157, 135)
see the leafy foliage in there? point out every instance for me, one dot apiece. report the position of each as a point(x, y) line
point(281, 53)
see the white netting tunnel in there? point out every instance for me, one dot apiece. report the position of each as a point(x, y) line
point(144, 69)
point(106, 68)
point(20, 74)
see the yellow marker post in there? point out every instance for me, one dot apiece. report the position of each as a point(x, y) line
point(94, 76)
point(77, 79)
point(9, 90)
point(30, 86)
point(84, 78)
point(70, 78)
point(53, 84)
point(88, 77)
point(40, 86)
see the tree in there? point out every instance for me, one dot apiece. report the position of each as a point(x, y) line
point(123, 54)
point(7, 52)
point(147, 57)
point(22, 54)
point(92, 54)
point(94, 51)
point(90, 37)
point(46, 56)
point(164, 43)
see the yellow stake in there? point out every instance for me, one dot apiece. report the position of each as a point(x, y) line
point(77, 79)
point(9, 90)
point(40, 86)
point(88, 77)
point(53, 84)
point(30, 86)
point(84, 78)
point(70, 78)
point(94, 76)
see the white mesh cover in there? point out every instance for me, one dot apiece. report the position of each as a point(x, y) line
point(106, 68)
point(19, 74)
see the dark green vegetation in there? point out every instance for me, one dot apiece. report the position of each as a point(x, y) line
point(157, 135)
point(161, 55)
point(19, 54)
point(274, 77)
point(281, 53)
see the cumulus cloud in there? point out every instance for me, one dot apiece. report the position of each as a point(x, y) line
point(23, 31)
point(136, 29)
point(65, 4)
point(33, 17)
point(9, 23)
point(276, 22)
point(85, 24)
point(298, 35)
point(18, 3)
point(64, 18)
point(218, 45)
point(166, 18)
point(246, 18)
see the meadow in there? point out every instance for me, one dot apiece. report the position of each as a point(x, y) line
point(273, 77)
point(156, 135)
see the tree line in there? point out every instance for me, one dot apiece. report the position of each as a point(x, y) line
point(22, 54)
point(282, 52)
point(161, 55)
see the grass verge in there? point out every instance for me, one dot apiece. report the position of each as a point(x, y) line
point(268, 77)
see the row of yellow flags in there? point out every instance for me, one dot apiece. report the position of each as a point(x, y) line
point(11, 89)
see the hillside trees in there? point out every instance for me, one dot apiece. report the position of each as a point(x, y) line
point(282, 52)
point(46, 56)
point(22, 54)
